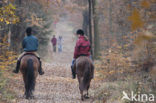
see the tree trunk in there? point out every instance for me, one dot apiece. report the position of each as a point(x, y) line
point(85, 22)
point(90, 25)
point(96, 33)
point(110, 23)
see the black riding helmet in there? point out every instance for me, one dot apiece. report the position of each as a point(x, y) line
point(28, 31)
point(80, 32)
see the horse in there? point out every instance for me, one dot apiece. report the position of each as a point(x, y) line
point(29, 69)
point(84, 69)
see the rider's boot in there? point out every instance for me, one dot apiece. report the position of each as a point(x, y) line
point(73, 72)
point(17, 67)
point(41, 72)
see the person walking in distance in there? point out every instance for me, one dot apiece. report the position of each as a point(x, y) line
point(60, 44)
point(54, 42)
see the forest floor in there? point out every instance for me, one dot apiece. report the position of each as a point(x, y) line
point(55, 86)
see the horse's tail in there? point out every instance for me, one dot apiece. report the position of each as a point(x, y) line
point(30, 76)
point(87, 74)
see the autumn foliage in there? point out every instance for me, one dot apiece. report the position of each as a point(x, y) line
point(7, 57)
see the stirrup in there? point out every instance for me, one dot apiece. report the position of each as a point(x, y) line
point(15, 71)
point(73, 75)
point(41, 73)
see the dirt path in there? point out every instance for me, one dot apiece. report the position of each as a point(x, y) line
point(56, 86)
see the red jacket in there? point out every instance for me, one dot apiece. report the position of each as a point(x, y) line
point(54, 41)
point(82, 47)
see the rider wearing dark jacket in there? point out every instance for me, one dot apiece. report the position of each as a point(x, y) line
point(29, 44)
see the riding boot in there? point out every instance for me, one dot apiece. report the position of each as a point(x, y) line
point(17, 67)
point(73, 72)
point(41, 72)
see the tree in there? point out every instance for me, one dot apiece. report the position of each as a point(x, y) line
point(96, 30)
point(90, 24)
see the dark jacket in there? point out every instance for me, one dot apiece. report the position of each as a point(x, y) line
point(54, 41)
point(82, 47)
point(30, 43)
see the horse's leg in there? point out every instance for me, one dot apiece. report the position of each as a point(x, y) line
point(31, 93)
point(27, 92)
point(82, 97)
point(88, 89)
point(81, 91)
point(24, 79)
point(86, 95)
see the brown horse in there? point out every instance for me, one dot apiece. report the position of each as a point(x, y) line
point(85, 72)
point(29, 69)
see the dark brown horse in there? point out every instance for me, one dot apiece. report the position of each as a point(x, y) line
point(29, 69)
point(85, 72)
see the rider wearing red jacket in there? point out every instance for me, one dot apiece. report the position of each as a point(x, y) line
point(82, 48)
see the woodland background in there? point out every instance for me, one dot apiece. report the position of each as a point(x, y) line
point(122, 34)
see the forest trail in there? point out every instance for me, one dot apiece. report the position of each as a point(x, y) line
point(56, 85)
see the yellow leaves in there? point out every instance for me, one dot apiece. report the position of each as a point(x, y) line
point(35, 20)
point(136, 20)
point(7, 22)
point(12, 7)
point(7, 14)
point(1, 19)
point(7, 57)
point(145, 4)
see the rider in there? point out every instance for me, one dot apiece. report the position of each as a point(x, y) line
point(82, 48)
point(30, 45)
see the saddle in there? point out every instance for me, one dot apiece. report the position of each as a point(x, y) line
point(30, 53)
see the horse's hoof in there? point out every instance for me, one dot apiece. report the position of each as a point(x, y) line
point(26, 97)
point(86, 96)
point(82, 99)
point(32, 97)
point(14, 71)
point(41, 73)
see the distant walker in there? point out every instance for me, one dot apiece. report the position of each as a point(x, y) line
point(54, 42)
